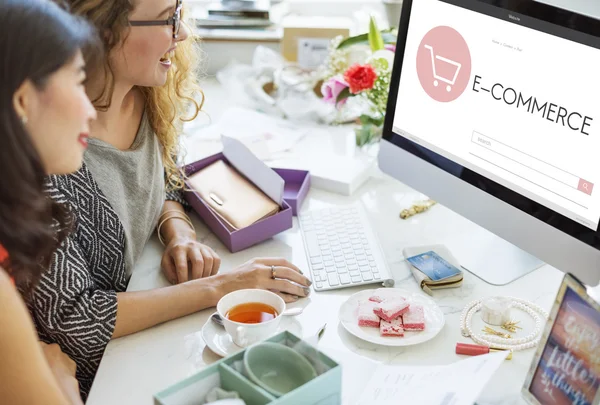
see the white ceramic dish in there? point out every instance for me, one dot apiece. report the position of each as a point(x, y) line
point(434, 318)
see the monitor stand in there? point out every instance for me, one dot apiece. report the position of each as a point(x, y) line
point(490, 257)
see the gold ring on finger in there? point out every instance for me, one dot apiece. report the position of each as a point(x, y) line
point(273, 275)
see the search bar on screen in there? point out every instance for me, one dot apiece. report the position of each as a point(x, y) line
point(504, 154)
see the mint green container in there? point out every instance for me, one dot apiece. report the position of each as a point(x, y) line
point(326, 389)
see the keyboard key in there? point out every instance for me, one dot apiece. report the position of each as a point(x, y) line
point(345, 278)
point(319, 275)
point(354, 273)
point(365, 268)
point(319, 284)
point(376, 276)
point(361, 256)
point(356, 279)
point(342, 270)
point(316, 259)
point(333, 279)
point(331, 269)
point(360, 263)
point(367, 276)
point(327, 258)
point(340, 265)
point(338, 253)
point(312, 244)
point(318, 266)
point(352, 266)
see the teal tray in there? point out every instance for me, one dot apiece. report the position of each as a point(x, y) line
point(326, 389)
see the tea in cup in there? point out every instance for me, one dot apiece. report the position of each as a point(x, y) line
point(251, 315)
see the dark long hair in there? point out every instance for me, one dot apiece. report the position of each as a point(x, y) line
point(37, 38)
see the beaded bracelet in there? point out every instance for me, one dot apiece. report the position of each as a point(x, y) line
point(515, 344)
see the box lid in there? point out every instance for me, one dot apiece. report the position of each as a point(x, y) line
point(240, 157)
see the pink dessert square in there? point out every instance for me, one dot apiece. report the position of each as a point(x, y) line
point(393, 328)
point(414, 319)
point(391, 309)
point(366, 316)
point(376, 298)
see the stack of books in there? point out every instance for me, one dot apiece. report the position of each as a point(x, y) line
point(241, 13)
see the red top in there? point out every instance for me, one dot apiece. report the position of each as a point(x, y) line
point(3, 254)
point(3, 257)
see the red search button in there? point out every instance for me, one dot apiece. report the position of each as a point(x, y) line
point(585, 186)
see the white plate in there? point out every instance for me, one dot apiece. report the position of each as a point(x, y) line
point(219, 341)
point(434, 318)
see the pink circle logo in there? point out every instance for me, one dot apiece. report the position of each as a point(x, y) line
point(444, 64)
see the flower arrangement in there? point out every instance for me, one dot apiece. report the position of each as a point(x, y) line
point(366, 76)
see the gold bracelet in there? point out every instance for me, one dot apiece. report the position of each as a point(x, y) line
point(184, 218)
point(168, 211)
point(417, 209)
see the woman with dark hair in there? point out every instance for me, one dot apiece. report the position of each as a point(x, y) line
point(44, 121)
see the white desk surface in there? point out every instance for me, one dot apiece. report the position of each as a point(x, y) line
point(137, 366)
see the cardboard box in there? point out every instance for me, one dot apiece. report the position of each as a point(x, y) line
point(326, 389)
point(306, 38)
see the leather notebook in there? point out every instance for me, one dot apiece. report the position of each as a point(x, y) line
point(233, 198)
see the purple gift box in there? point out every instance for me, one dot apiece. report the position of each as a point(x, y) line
point(297, 184)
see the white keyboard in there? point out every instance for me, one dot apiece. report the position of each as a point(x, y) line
point(342, 249)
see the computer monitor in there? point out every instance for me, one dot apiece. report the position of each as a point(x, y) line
point(494, 112)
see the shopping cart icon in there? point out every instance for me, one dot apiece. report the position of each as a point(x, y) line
point(449, 82)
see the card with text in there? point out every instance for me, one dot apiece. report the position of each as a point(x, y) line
point(566, 369)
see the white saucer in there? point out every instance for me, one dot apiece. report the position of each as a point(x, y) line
point(434, 318)
point(219, 341)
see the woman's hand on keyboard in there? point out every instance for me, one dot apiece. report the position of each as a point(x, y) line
point(277, 275)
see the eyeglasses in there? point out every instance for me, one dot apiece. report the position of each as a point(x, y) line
point(174, 20)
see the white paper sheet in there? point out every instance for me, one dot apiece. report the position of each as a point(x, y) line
point(460, 383)
point(265, 135)
point(256, 171)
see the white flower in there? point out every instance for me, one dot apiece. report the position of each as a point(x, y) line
point(384, 55)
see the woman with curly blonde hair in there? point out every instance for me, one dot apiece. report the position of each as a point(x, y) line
point(129, 184)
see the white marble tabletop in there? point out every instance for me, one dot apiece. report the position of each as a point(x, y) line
point(136, 367)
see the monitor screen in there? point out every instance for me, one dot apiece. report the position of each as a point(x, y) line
point(506, 99)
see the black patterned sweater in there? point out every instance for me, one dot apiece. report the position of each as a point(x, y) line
point(75, 303)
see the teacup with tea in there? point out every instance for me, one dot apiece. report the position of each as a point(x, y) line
point(250, 315)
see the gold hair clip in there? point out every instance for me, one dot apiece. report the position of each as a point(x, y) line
point(417, 209)
point(490, 331)
point(511, 326)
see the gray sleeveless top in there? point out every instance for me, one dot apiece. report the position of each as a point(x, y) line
point(133, 182)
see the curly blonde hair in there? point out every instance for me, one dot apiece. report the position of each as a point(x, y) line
point(168, 106)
